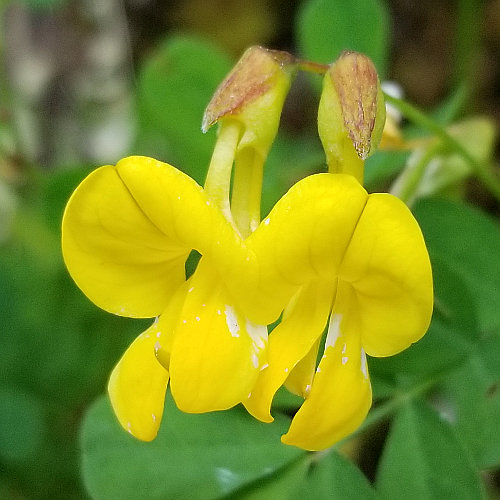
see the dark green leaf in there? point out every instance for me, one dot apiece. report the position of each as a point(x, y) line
point(467, 240)
point(282, 485)
point(336, 478)
point(449, 340)
point(194, 456)
point(441, 349)
point(423, 459)
point(472, 395)
point(315, 475)
point(454, 303)
point(326, 28)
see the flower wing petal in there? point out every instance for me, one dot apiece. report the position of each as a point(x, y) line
point(303, 323)
point(116, 255)
point(340, 396)
point(305, 236)
point(127, 231)
point(388, 266)
point(178, 206)
point(137, 387)
point(216, 352)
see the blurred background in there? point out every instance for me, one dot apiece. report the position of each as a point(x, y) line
point(84, 83)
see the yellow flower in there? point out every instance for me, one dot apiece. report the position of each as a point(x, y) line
point(327, 254)
point(127, 232)
point(326, 249)
point(358, 264)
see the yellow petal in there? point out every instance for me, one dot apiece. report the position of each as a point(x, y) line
point(340, 396)
point(179, 208)
point(172, 201)
point(167, 324)
point(127, 231)
point(305, 236)
point(303, 323)
point(137, 387)
point(116, 255)
point(216, 352)
point(388, 266)
point(300, 380)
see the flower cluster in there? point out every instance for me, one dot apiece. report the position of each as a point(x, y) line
point(329, 256)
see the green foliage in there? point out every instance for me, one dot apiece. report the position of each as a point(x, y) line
point(44, 5)
point(425, 454)
point(440, 398)
point(331, 476)
point(175, 86)
point(327, 27)
point(336, 478)
point(22, 425)
point(423, 459)
point(468, 241)
point(53, 348)
point(225, 454)
point(194, 456)
point(471, 394)
point(461, 350)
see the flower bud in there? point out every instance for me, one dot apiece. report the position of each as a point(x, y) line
point(351, 113)
point(253, 94)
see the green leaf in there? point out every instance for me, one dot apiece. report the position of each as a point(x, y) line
point(449, 340)
point(467, 240)
point(454, 304)
point(336, 478)
point(194, 456)
point(175, 85)
point(282, 485)
point(314, 475)
point(327, 27)
point(22, 424)
point(439, 351)
point(445, 171)
point(472, 395)
point(75, 343)
point(423, 459)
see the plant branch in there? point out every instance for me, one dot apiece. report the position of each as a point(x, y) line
point(416, 116)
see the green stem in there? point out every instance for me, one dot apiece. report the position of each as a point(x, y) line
point(406, 186)
point(312, 67)
point(480, 169)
